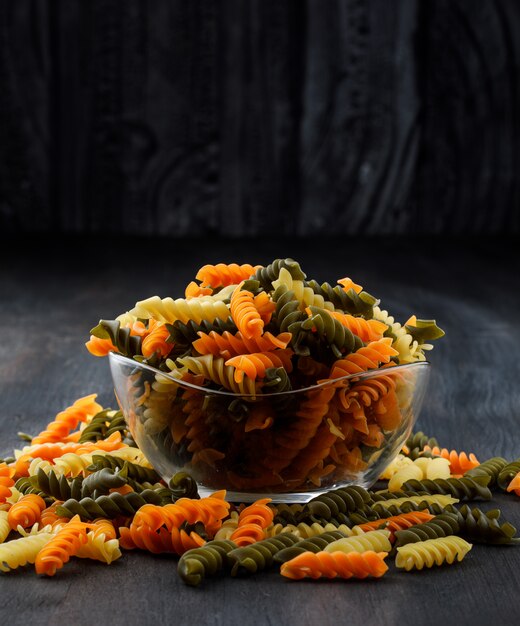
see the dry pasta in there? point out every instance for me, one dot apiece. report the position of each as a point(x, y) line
point(184, 528)
point(259, 333)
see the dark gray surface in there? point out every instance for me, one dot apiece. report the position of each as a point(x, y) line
point(52, 293)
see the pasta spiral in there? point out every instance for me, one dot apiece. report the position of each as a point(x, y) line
point(364, 359)
point(57, 486)
point(222, 275)
point(431, 552)
point(228, 345)
point(5, 527)
point(311, 544)
point(366, 330)
point(507, 473)
point(514, 485)
point(196, 564)
point(336, 335)
point(336, 565)
point(254, 365)
point(464, 488)
point(441, 499)
point(440, 526)
point(156, 340)
point(260, 555)
point(99, 547)
point(306, 531)
point(210, 511)
point(415, 445)
point(305, 295)
point(245, 314)
point(19, 552)
point(398, 522)
point(361, 303)
point(490, 467)
point(288, 314)
point(101, 482)
point(169, 310)
point(102, 425)
point(215, 369)
point(67, 420)
point(133, 470)
point(61, 547)
point(110, 506)
point(6, 481)
point(154, 541)
point(112, 335)
point(328, 505)
point(252, 522)
point(459, 462)
point(484, 527)
point(26, 512)
point(267, 275)
point(376, 540)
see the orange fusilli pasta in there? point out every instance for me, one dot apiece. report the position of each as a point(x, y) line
point(460, 462)
point(69, 419)
point(336, 565)
point(245, 314)
point(26, 512)
point(252, 522)
point(61, 547)
point(398, 522)
point(6, 481)
point(222, 275)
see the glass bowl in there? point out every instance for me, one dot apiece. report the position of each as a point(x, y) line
point(288, 446)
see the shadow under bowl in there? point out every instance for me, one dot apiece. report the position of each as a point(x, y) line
point(288, 446)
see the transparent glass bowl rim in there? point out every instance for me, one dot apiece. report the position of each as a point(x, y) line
point(335, 382)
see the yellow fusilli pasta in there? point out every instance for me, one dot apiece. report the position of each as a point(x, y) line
point(432, 552)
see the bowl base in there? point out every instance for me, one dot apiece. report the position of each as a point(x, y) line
point(238, 497)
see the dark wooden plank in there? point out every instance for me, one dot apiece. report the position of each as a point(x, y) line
point(469, 90)
point(248, 118)
point(26, 176)
point(53, 291)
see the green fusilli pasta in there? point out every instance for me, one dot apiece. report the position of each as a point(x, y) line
point(196, 564)
point(134, 471)
point(349, 301)
point(100, 482)
point(110, 506)
point(312, 544)
point(126, 344)
point(491, 467)
point(103, 424)
point(260, 555)
point(462, 488)
point(484, 526)
point(507, 473)
point(57, 486)
point(328, 505)
point(441, 525)
point(267, 275)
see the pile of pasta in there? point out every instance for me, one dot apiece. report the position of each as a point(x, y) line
point(258, 334)
point(81, 489)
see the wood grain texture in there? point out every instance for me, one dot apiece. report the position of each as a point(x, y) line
point(54, 291)
point(469, 89)
point(248, 118)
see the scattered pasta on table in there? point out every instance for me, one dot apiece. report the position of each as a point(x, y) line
point(82, 488)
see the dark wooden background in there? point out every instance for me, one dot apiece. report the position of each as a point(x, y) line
point(246, 117)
